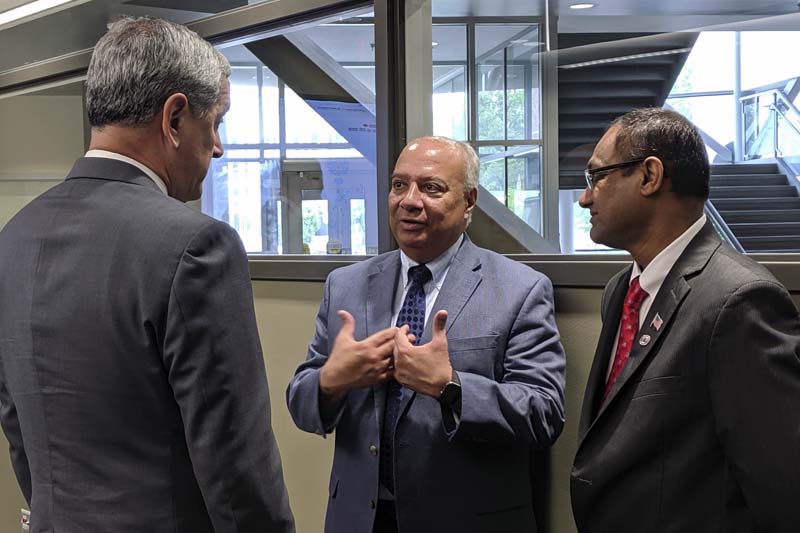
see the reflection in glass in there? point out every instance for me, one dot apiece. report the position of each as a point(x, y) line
point(298, 173)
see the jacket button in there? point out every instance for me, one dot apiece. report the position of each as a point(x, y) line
point(373, 450)
point(372, 504)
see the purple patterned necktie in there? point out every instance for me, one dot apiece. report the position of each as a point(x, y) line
point(413, 314)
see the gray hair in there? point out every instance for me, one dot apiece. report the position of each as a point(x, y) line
point(140, 62)
point(472, 164)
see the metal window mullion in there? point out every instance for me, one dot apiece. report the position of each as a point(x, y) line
point(472, 84)
point(390, 104)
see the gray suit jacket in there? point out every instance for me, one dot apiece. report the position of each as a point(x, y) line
point(132, 385)
point(503, 343)
point(700, 432)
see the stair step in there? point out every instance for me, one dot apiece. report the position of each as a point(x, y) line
point(614, 72)
point(589, 107)
point(771, 243)
point(748, 179)
point(754, 191)
point(583, 123)
point(762, 215)
point(757, 229)
point(755, 204)
point(608, 90)
point(744, 168)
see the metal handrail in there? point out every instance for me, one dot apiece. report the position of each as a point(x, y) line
point(722, 228)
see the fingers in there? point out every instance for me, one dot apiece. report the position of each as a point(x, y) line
point(348, 323)
point(379, 338)
point(401, 339)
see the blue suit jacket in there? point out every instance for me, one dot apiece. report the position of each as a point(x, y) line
point(132, 385)
point(503, 343)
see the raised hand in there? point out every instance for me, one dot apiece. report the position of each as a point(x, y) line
point(425, 369)
point(356, 364)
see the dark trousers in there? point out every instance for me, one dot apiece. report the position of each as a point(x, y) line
point(385, 517)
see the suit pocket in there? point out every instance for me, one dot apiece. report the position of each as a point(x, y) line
point(475, 355)
point(470, 344)
point(658, 386)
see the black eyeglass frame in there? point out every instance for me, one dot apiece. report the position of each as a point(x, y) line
point(589, 173)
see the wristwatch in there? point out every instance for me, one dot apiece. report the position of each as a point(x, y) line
point(450, 395)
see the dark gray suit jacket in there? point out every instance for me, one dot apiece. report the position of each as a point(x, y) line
point(503, 343)
point(701, 431)
point(132, 385)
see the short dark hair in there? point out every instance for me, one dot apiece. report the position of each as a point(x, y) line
point(653, 131)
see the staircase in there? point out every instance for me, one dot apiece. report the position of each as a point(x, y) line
point(759, 205)
point(600, 78)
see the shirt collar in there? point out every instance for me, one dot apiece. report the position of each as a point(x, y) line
point(653, 276)
point(438, 266)
point(119, 157)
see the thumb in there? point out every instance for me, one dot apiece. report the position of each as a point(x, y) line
point(348, 324)
point(439, 323)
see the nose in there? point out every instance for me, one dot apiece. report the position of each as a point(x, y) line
point(584, 201)
point(218, 148)
point(412, 199)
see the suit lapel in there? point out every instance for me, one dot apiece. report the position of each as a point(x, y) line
point(379, 313)
point(597, 376)
point(673, 291)
point(459, 285)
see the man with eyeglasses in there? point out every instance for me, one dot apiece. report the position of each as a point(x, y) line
point(689, 419)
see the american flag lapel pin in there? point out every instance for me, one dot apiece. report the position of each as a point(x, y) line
point(657, 322)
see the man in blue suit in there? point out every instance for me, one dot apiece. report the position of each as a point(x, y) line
point(439, 365)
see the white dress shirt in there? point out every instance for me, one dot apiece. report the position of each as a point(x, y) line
point(653, 276)
point(439, 267)
point(119, 157)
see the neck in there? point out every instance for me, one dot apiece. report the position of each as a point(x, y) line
point(136, 143)
point(660, 233)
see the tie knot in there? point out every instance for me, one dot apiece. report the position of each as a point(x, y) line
point(419, 274)
point(636, 294)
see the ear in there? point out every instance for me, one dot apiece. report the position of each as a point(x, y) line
point(652, 180)
point(173, 118)
point(471, 198)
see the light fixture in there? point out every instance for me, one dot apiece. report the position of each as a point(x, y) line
point(581, 6)
point(21, 14)
point(434, 44)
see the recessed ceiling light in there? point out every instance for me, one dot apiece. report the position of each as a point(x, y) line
point(27, 11)
point(581, 6)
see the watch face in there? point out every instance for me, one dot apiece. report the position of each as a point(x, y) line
point(450, 394)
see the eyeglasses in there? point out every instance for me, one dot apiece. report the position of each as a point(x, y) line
point(592, 179)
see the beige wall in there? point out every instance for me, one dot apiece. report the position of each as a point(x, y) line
point(40, 138)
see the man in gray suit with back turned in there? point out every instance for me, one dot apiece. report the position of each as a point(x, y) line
point(689, 420)
point(132, 385)
point(438, 365)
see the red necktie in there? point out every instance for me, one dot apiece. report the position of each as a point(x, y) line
point(628, 327)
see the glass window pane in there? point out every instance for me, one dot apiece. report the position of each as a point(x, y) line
point(241, 124)
point(311, 187)
point(709, 66)
point(507, 81)
point(450, 98)
point(763, 58)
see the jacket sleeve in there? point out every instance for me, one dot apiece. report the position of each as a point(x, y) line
point(527, 404)
point(212, 354)
point(754, 384)
point(13, 432)
point(308, 408)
